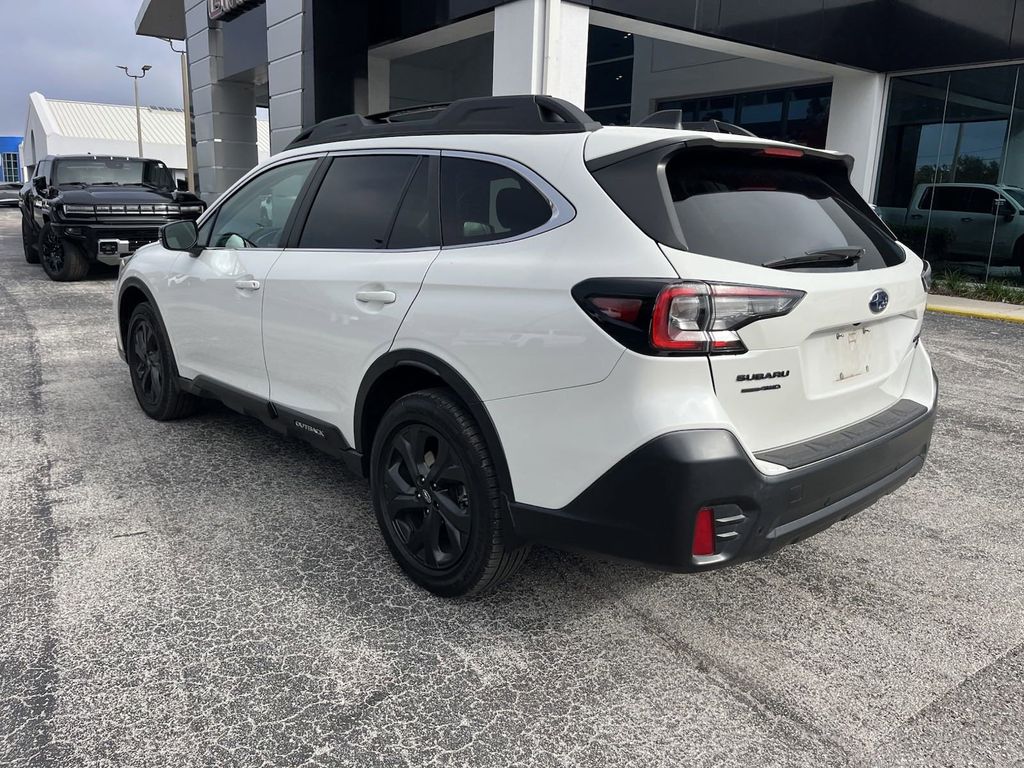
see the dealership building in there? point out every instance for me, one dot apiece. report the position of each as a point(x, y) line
point(918, 91)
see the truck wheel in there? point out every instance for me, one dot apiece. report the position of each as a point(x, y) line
point(152, 368)
point(62, 261)
point(1018, 256)
point(435, 493)
point(27, 242)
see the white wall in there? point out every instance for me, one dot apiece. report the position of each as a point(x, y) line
point(540, 46)
point(855, 125)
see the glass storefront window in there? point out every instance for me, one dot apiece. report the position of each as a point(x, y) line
point(951, 180)
point(609, 76)
point(798, 115)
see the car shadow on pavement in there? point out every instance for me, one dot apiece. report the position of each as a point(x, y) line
point(318, 525)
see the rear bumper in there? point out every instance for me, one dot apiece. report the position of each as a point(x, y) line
point(643, 508)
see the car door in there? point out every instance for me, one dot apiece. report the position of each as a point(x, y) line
point(949, 206)
point(213, 300)
point(978, 222)
point(36, 204)
point(335, 301)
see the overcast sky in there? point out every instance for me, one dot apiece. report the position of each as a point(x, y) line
point(68, 49)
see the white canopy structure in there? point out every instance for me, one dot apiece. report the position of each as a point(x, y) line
point(59, 127)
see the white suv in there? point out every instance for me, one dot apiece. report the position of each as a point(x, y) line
point(680, 347)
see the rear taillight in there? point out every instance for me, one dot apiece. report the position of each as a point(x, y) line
point(703, 318)
point(660, 317)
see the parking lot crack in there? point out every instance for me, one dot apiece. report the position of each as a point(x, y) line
point(28, 539)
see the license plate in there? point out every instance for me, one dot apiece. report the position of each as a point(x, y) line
point(852, 347)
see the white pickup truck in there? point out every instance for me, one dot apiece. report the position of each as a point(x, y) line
point(965, 222)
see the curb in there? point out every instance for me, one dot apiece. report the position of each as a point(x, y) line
point(977, 313)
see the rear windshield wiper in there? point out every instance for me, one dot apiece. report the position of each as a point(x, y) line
point(827, 257)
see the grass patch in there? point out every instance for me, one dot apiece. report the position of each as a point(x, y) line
point(953, 282)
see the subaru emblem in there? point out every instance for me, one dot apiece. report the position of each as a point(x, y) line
point(879, 301)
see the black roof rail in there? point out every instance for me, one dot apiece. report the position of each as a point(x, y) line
point(672, 119)
point(490, 114)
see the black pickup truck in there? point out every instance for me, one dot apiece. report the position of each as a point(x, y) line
point(83, 209)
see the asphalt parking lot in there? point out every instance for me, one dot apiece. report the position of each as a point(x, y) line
point(206, 593)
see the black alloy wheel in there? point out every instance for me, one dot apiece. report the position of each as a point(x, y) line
point(147, 366)
point(425, 497)
point(437, 499)
point(27, 242)
point(62, 261)
point(51, 251)
point(152, 369)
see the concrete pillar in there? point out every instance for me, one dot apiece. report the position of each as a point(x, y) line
point(540, 46)
point(225, 111)
point(284, 53)
point(855, 125)
point(378, 72)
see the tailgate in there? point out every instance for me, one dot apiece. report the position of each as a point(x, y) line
point(831, 362)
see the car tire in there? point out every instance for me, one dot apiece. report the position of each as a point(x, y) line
point(436, 497)
point(1018, 255)
point(62, 261)
point(151, 365)
point(28, 243)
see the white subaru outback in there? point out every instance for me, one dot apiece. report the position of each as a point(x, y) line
point(669, 344)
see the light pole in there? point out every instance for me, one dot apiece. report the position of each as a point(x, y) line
point(186, 103)
point(138, 114)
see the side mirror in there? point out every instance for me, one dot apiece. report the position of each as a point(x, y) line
point(1003, 207)
point(181, 185)
point(39, 184)
point(179, 235)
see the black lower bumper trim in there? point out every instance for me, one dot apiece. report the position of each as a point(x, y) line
point(643, 508)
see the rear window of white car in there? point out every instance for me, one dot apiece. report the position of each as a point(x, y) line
point(759, 210)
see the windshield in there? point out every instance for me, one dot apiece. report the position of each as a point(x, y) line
point(105, 171)
point(758, 210)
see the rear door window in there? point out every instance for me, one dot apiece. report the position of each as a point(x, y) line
point(757, 210)
point(483, 202)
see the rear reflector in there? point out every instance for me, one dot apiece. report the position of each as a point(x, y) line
point(704, 533)
point(616, 308)
point(782, 152)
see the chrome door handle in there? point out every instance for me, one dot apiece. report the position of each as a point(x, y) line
point(247, 285)
point(966, 219)
point(380, 297)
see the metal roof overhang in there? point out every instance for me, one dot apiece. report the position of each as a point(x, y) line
point(161, 18)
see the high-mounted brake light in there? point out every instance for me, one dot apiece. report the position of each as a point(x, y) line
point(703, 318)
point(782, 152)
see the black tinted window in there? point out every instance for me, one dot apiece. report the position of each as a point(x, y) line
point(982, 200)
point(482, 202)
point(758, 209)
point(951, 199)
point(417, 225)
point(357, 201)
